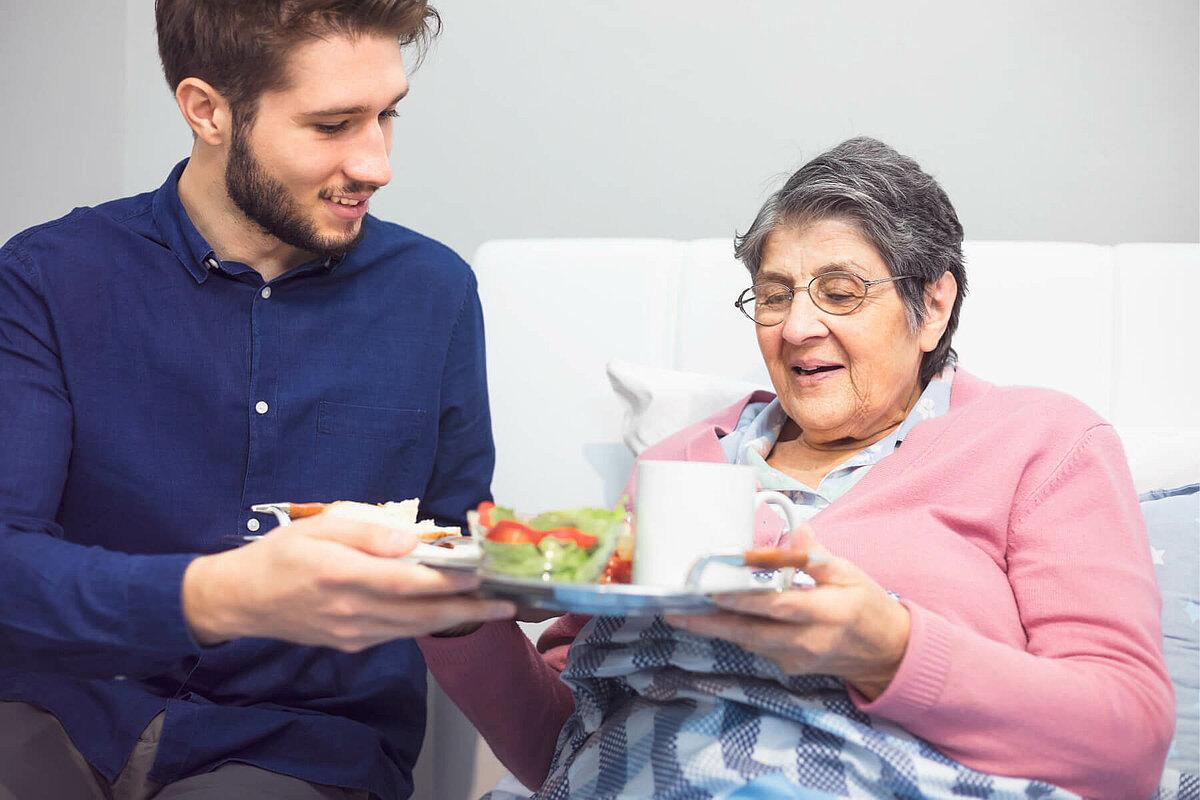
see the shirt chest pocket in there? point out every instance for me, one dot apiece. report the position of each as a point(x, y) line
point(369, 422)
point(372, 453)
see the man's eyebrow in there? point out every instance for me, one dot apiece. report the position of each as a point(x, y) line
point(349, 111)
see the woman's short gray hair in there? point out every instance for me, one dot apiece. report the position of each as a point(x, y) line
point(898, 207)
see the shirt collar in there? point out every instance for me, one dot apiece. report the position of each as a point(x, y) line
point(759, 429)
point(181, 236)
point(177, 230)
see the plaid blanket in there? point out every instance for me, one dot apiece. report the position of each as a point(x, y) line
point(663, 713)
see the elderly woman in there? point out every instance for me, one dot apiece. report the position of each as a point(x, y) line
point(984, 619)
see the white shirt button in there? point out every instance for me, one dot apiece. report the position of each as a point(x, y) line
point(252, 524)
point(266, 293)
point(261, 406)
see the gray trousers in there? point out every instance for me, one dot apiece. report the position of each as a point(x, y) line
point(38, 760)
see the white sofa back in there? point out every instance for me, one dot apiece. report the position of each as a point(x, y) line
point(1116, 326)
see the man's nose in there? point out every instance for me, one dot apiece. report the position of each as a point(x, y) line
point(368, 162)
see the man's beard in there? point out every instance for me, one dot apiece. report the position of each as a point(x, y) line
point(267, 202)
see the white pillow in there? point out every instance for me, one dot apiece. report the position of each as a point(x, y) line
point(658, 402)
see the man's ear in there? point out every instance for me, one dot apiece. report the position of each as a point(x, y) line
point(205, 110)
point(939, 302)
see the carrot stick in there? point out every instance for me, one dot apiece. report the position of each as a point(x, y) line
point(769, 558)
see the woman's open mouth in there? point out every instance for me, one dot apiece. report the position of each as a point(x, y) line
point(813, 375)
point(815, 370)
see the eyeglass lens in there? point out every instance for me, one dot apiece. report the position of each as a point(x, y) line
point(833, 292)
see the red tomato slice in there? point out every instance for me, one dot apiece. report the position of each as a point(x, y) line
point(584, 540)
point(485, 513)
point(508, 531)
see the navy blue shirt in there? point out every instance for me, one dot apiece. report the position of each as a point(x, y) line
point(149, 395)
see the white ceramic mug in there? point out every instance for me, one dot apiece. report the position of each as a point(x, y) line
point(687, 510)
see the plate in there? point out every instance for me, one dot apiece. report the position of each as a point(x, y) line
point(459, 554)
point(612, 599)
point(616, 599)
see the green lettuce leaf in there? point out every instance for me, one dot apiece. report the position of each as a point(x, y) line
point(557, 559)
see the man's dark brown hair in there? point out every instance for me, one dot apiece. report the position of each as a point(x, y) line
point(241, 47)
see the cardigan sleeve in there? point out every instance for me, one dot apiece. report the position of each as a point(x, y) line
point(1087, 705)
point(508, 689)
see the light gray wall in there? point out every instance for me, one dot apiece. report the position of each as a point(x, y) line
point(62, 87)
point(1067, 120)
point(155, 136)
point(1071, 120)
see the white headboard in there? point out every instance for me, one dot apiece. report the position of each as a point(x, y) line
point(1118, 327)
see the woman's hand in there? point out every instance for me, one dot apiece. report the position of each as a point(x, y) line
point(846, 625)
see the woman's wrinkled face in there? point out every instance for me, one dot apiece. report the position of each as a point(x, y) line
point(851, 377)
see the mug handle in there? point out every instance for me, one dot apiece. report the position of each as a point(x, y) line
point(762, 559)
point(790, 510)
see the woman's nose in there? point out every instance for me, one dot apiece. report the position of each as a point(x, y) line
point(804, 319)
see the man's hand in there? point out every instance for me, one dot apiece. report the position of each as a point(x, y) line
point(328, 582)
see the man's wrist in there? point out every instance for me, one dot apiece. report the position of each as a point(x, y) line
point(201, 603)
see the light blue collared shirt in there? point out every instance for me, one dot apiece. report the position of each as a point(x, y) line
point(760, 424)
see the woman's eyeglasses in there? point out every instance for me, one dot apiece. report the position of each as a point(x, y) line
point(837, 293)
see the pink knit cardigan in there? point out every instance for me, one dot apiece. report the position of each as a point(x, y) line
point(1011, 530)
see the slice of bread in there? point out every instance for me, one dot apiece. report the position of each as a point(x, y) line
point(400, 515)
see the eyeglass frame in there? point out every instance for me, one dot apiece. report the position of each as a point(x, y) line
point(740, 305)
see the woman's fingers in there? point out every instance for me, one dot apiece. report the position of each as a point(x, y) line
point(845, 625)
point(790, 606)
point(802, 537)
point(804, 540)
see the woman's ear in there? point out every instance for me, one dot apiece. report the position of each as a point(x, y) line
point(205, 110)
point(939, 302)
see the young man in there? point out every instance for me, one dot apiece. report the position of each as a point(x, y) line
point(245, 334)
